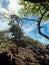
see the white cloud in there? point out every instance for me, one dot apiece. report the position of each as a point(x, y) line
point(48, 27)
point(29, 28)
point(44, 22)
point(43, 40)
point(3, 25)
point(14, 6)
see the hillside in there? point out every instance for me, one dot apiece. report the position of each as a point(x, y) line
point(11, 54)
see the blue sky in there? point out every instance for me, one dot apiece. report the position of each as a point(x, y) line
point(29, 27)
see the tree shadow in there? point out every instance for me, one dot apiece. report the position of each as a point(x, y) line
point(4, 59)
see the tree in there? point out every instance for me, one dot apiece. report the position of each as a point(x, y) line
point(15, 26)
point(15, 19)
point(39, 8)
point(16, 30)
point(1, 35)
point(17, 33)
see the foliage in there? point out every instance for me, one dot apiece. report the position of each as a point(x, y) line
point(31, 42)
point(1, 35)
point(17, 32)
point(34, 9)
point(4, 46)
point(40, 9)
point(15, 19)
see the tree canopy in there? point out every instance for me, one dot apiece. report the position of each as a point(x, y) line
point(36, 8)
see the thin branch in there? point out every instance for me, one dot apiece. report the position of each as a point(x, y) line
point(43, 15)
point(30, 19)
point(44, 35)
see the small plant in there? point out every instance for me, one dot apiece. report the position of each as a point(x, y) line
point(4, 46)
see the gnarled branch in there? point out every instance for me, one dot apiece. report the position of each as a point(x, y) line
point(39, 22)
point(39, 27)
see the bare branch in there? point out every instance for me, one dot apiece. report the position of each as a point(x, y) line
point(30, 19)
point(44, 35)
point(39, 27)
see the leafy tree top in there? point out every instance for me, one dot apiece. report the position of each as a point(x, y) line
point(35, 8)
